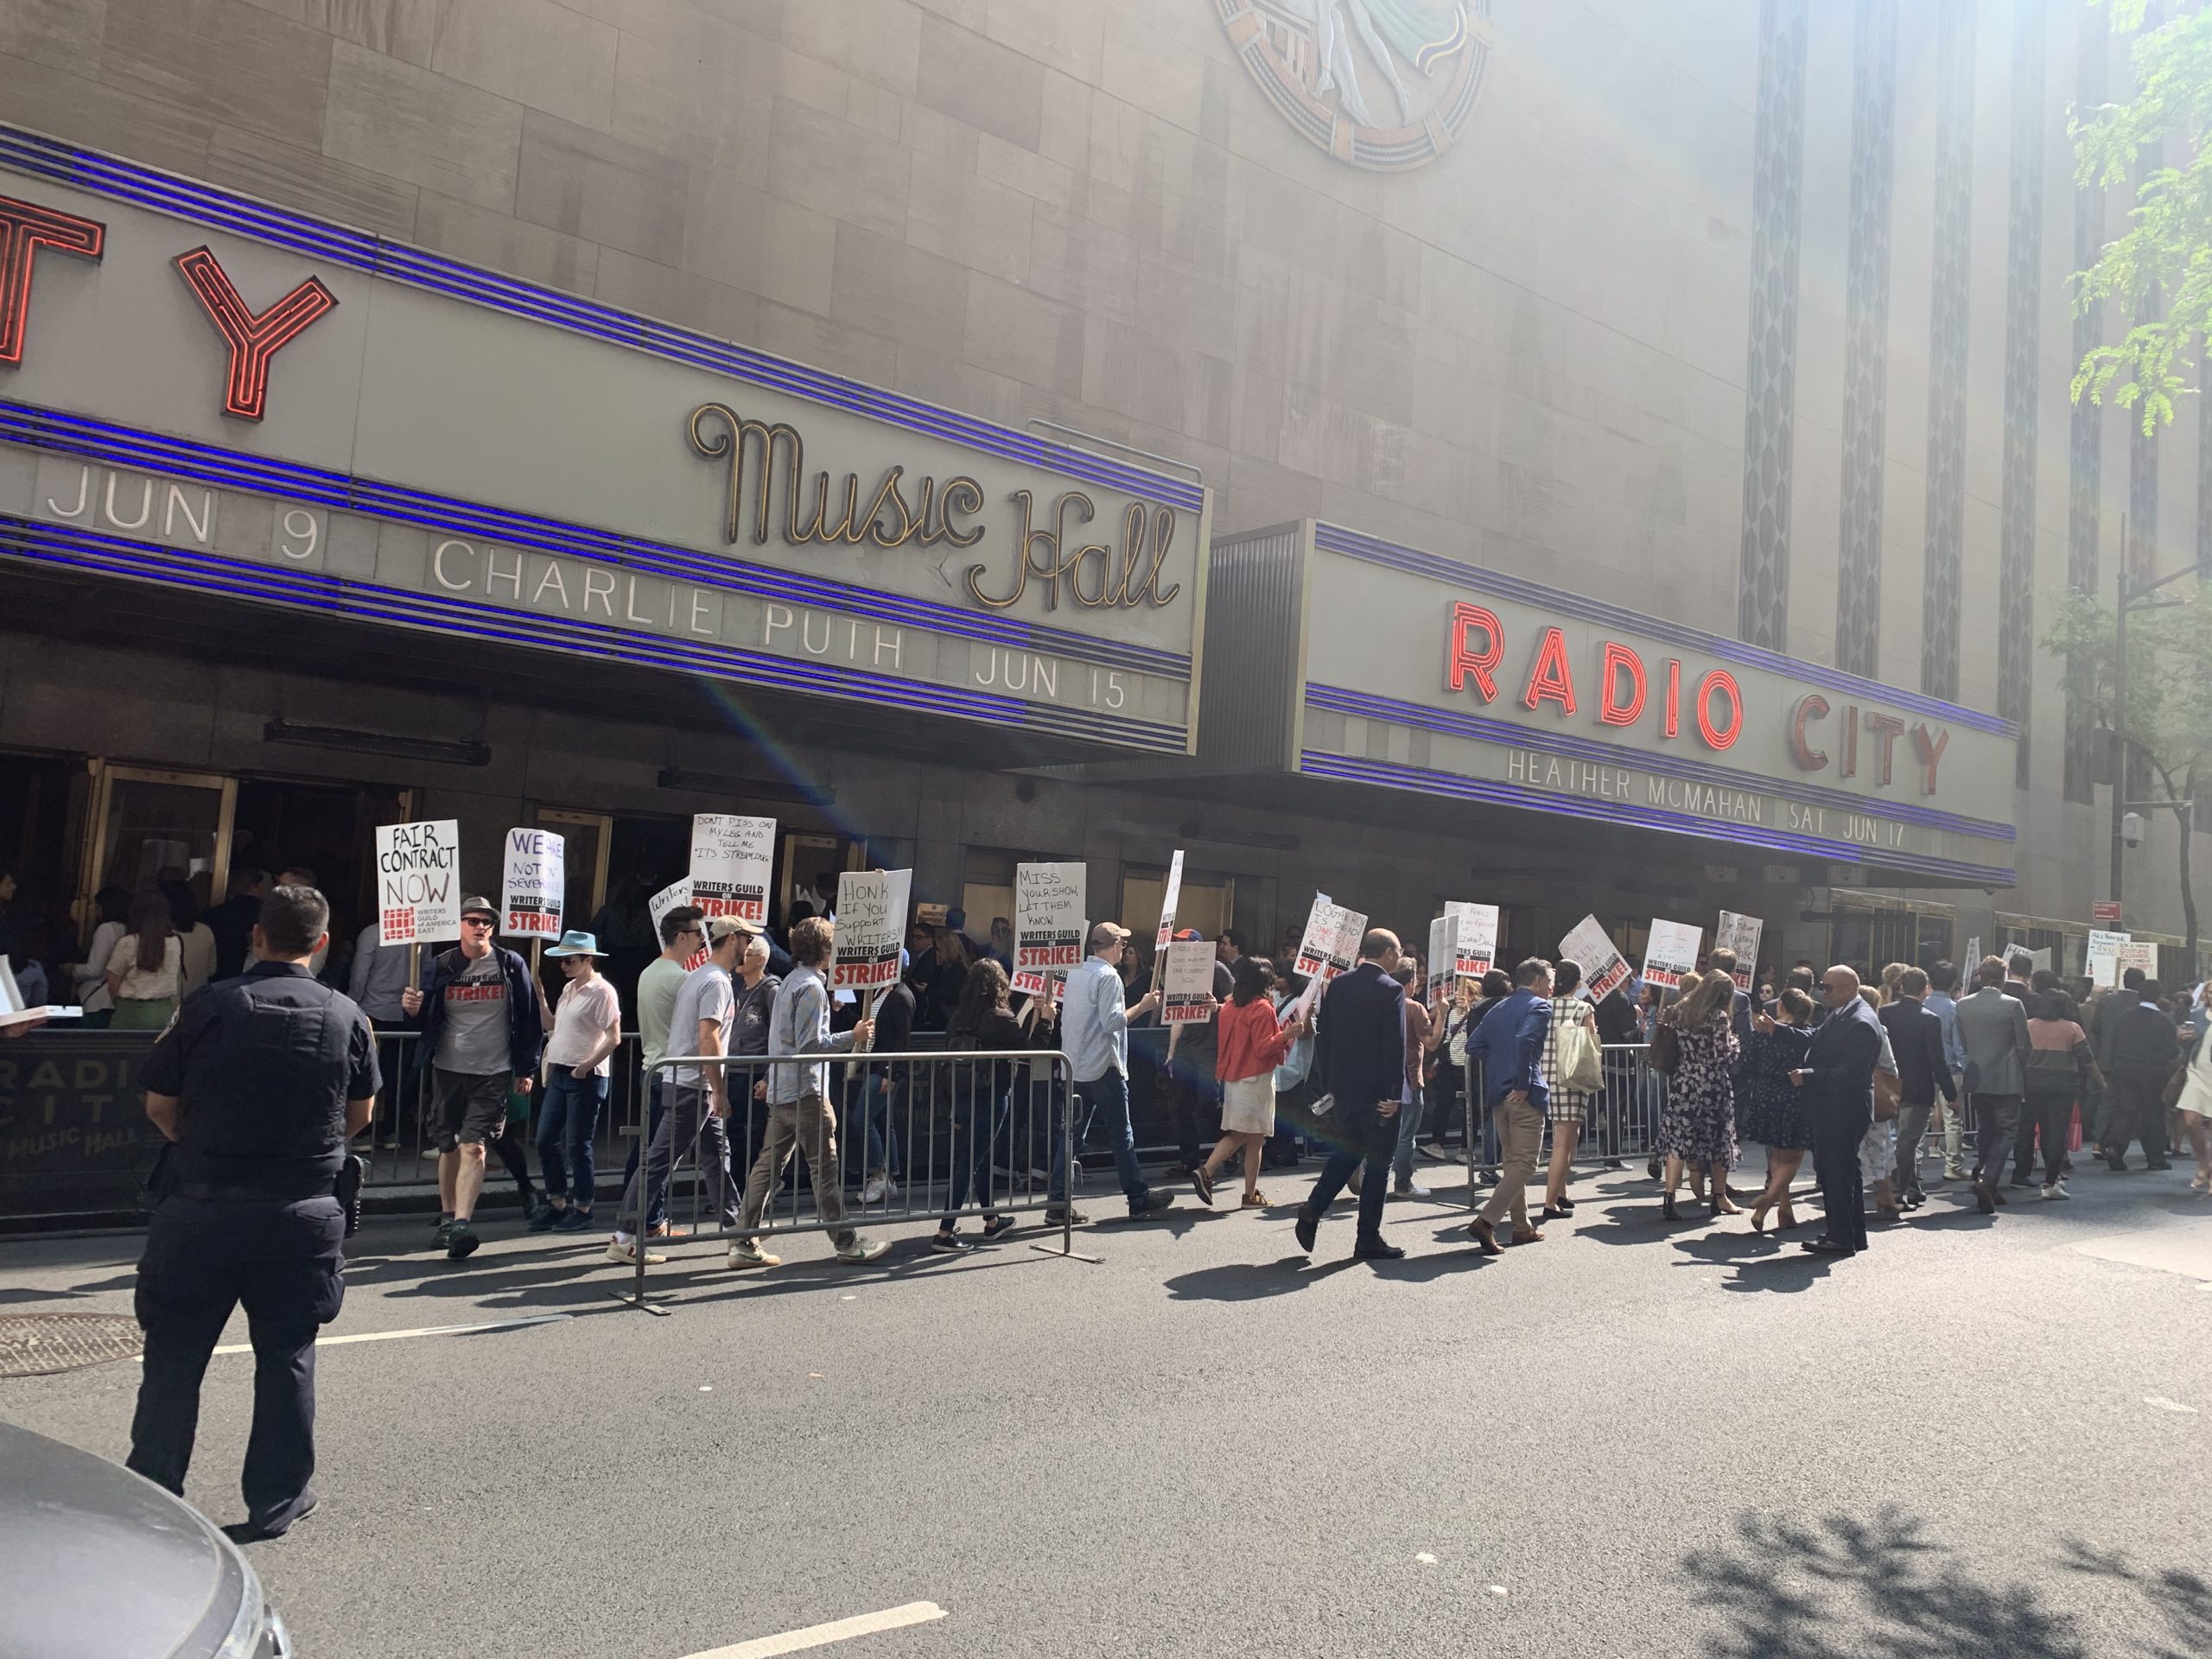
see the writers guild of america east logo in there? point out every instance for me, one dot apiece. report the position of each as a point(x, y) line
point(1382, 84)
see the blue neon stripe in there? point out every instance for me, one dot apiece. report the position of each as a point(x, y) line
point(1391, 775)
point(1487, 729)
point(62, 546)
point(102, 174)
point(1335, 538)
point(100, 441)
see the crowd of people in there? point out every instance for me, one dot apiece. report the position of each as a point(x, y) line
point(1523, 1065)
point(261, 1079)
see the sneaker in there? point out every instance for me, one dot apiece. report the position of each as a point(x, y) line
point(1410, 1190)
point(625, 1252)
point(460, 1242)
point(571, 1220)
point(535, 1209)
point(878, 1189)
point(949, 1244)
point(441, 1233)
point(747, 1253)
point(2056, 1190)
point(1155, 1202)
point(1202, 1184)
point(546, 1218)
point(861, 1251)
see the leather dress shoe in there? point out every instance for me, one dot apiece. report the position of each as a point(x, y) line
point(1377, 1250)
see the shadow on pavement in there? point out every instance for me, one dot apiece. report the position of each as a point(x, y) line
point(1252, 1282)
point(1849, 1588)
point(2182, 1600)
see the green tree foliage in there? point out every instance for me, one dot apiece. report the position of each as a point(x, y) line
point(2166, 252)
point(2168, 719)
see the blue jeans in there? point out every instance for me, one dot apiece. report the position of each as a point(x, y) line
point(568, 1118)
point(1409, 1117)
point(1108, 1096)
point(656, 1108)
point(976, 1133)
point(879, 1133)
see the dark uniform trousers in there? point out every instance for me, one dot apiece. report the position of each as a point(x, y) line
point(283, 1261)
point(1835, 1137)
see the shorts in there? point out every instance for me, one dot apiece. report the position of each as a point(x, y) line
point(468, 1107)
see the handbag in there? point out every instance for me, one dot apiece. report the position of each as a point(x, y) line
point(1665, 1054)
point(1582, 1069)
point(1889, 1098)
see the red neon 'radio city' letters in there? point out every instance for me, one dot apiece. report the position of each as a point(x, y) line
point(1722, 680)
point(1463, 661)
point(24, 230)
point(1617, 710)
point(253, 340)
point(1550, 679)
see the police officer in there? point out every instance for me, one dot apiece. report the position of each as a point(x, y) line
point(258, 1082)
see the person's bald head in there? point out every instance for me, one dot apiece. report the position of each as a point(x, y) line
point(1380, 945)
point(1841, 984)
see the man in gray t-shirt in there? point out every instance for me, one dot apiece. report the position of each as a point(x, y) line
point(696, 1096)
point(481, 1046)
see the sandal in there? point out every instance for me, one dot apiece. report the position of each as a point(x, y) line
point(1254, 1199)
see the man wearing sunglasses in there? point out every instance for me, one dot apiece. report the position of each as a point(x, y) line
point(482, 1035)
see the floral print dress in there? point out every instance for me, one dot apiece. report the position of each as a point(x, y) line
point(1698, 1119)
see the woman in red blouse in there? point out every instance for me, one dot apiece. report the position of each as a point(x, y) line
point(1250, 1046)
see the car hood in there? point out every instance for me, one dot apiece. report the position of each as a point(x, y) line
point(96, 1560)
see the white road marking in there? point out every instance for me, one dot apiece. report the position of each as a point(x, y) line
point(820, 1636)
point(425, 1330)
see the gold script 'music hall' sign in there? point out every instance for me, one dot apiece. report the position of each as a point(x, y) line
point(206, 392)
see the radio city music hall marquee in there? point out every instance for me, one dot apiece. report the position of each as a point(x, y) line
point(1478, 646)
point(425, 434)
point(1516, 694)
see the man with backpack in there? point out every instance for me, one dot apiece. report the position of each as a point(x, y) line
point(481, 1036)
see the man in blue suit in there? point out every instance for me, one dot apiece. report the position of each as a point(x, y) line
point(1837, 1078)
point(1359, 1058)
point(1506, 1049)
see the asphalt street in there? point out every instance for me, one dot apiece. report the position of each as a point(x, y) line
point(1986, 1436)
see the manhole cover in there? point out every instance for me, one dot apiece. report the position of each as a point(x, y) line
point(38, 1344)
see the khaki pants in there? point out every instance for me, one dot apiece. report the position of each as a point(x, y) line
point(813, 1123)
point(1520, 1142)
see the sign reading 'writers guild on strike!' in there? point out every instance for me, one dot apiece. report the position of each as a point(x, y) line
point(533, 885)
point(731, 857)
point(1048, 922)
point(871, 925)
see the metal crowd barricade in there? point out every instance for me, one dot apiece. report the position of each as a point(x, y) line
point(931, 1122)
point(400, 1148)
point(1620, 1125)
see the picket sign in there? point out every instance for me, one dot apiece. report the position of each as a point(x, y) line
point(533, 884)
